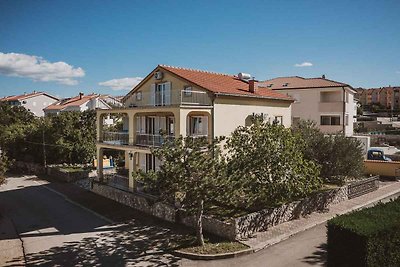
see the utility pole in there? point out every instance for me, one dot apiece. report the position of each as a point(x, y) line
point(44, 147)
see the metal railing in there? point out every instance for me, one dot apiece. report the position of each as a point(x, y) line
point(115, 138)
point(152, 139)
point(175, 97)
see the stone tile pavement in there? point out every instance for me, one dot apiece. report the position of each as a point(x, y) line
point(283, 231)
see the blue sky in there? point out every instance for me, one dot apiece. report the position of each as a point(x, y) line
point(357, 42)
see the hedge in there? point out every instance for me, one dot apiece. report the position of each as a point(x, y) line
point(369, 237)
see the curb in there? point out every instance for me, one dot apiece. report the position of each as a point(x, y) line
point(77, 204)
point(205, 257)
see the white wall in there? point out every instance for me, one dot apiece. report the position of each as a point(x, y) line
point(229, 113)
point(309, 107)
point(36, 104)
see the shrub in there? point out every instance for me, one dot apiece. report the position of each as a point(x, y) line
point(338, 155)
point(4, 163)
point(370, 237)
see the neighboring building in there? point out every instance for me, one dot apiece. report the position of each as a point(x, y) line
point(330, 104)
point(111, 100)
point(178, 101)
point(386, 97)
point(78, 103)
point(34, 102)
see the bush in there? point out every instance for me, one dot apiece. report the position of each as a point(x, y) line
point(4, 163)
point(370, 237)
point(339, 156)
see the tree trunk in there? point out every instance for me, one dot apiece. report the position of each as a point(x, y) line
point(199, 223)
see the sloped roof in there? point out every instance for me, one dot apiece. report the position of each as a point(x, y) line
point(297, 82)
point(25, 96)
point(217, 83)
point(71, 102)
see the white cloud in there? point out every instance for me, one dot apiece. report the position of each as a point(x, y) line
point(38, 69)
point(304, 64)
point(122, 84)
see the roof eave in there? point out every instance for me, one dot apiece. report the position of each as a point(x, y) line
point(255, 96)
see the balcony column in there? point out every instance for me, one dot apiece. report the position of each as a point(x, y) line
point(132, 128)
point(99, 126)
point(100, 156)
point(132, 168)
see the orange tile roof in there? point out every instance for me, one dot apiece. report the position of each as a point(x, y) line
point(296, 82)
point(71, 102)
point(24, 96)
point(222, 84)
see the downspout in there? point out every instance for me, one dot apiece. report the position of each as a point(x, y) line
point(344, 110)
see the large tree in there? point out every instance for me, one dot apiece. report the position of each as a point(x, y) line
point(267, 162)
point(340, 157)
point(192, 175)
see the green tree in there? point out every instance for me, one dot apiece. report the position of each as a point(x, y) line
point(192, 174)
point(3, 167)
point(267, 165)
point(339, 156)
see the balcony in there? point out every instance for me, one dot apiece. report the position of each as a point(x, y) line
point(336, 106)
point(115, 138)
point(152, 139)
point(183, 97)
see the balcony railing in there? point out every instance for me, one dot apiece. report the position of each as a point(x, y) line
point(151, 139)
point(182, 97)
point(115, 138)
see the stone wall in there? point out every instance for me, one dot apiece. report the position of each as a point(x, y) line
point(235, 228)
point(139, 201)
point(62, 175)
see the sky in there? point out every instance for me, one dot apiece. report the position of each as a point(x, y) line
point(67, 47)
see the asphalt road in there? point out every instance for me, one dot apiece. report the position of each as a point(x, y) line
point(57, 232)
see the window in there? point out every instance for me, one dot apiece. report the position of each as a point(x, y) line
point(199, 126)
point(330, 120)
point(346, 119)
point(187, 91)
point(160, 94)
point(278, 120)
point(346, 97)
point(138, 96)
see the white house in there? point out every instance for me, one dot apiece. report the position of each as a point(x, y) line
point(329, 103)
point(34, 102)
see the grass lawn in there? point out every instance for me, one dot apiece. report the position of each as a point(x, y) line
point(212, 245)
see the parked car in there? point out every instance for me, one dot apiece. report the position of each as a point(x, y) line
point(377, 154)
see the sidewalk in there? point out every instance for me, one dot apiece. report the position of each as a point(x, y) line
point(10, 244)
point(283, 231)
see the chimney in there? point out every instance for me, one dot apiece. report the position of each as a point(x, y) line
point(80, 95)
point(253, 85)
point(323, 76)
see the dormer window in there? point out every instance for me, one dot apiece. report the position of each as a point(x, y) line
point(270, 85)
point(285, 84)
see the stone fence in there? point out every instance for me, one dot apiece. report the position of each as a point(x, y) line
point(244, 226)
point(61, 174)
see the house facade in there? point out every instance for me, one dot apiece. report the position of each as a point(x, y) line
point(78, 103)
point(34, 102)
point(328, 103)
point(172, 102)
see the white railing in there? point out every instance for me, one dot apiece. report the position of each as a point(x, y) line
point(182, 97)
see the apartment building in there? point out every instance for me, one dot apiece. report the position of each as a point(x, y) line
point(177, 101)
point(34, 102)
point(329, 103)
point(387, 97)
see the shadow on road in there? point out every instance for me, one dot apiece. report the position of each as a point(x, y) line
point(319, 256)
point(127, 244)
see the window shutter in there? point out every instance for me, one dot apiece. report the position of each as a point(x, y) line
point(142, 161)
point(167, 93)
point(204, 129)
point(153, 94)
point(163, 125)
